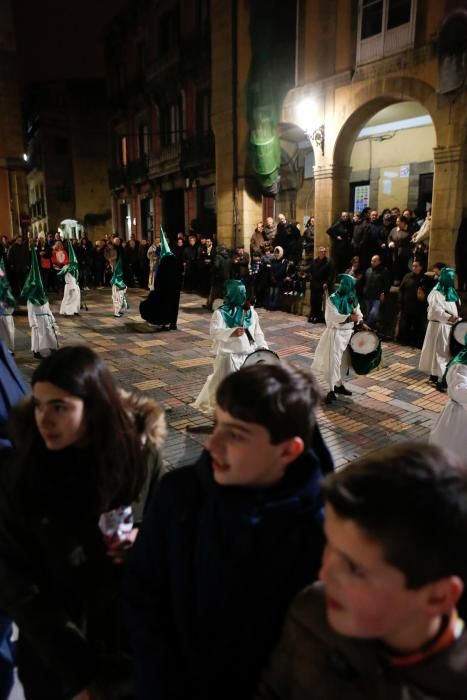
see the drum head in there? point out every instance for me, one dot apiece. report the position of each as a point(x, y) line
point(364, 342)
point(262, 357)
point(459, 331)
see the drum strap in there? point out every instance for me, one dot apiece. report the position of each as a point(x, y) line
point(249, 336)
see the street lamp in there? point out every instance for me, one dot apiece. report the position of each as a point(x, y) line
point(307, 111)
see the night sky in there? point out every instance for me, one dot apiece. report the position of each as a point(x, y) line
point(62, 39)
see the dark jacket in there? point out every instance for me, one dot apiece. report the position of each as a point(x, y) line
point(312, 661)
point(211, 576)
point(321, 272)
point(410, 303)
point(377, 282)
point(56, 581)
point(340, 234)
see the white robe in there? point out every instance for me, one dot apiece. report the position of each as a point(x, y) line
point(7, 327)
point(43, 327)
point(71, 302)
point(230, 352)
point(119, 300)
point(450, 430)
point(435, 353)
point(332, 357)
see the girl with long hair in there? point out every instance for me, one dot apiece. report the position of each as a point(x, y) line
point(86, 457)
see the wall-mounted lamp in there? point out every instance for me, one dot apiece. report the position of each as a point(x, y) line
point(306, 112)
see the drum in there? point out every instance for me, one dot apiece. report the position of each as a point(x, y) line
point(456, 342)
point(365, 351)
point(262, 357)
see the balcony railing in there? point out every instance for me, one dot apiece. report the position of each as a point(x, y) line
point(137, 170)
point(165, 160)
point(117, 178)
point(198, 151)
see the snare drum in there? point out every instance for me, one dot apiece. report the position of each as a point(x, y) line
point(365, 351)
point(456, 341)
point(263, 356)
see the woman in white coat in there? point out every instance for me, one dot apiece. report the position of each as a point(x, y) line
point(442, 314)
point(236, 333)
point(450, 430)
point(332, 357)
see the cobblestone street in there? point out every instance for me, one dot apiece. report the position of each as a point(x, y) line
point(392, 404)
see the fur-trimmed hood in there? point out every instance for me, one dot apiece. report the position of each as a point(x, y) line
point(148, 415)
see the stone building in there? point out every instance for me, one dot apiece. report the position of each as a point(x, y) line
point(67, 148)
point(162, 146)
point(374, 112)
point(13, 202)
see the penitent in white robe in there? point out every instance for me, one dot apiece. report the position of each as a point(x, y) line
point(332, 357)
point(230, 352)
point(435, 353)
point(7, 327)
point(119, 300)
point(43, 327)
point(450, 430)
point(71, 302)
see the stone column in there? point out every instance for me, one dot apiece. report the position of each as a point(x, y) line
point(331, 197)
point(449, 199)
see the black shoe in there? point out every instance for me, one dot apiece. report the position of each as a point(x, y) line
point(439, 386)
point(342, 390)
point(173, 327)
point(310, 320)
point(433, 378)
point(37, 355)
point(161, 329)
point(330, 397)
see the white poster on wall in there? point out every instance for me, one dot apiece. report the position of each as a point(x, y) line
point(362, 197)
point(404, 171)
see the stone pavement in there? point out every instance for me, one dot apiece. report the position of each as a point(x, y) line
point(392, 404)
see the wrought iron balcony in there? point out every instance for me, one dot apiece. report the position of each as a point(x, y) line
point(165, 160)
point(117, 178)
point(198, 152)
point(137, 170)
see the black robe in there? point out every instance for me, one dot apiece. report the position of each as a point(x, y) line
point(161, 305)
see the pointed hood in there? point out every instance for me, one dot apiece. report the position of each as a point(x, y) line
point(33, 289)
point(233, 309)
point(6, 295)
point(165, 248)
point(446, 284)
point(117, 277)
point(344, 297)
point(72, 266)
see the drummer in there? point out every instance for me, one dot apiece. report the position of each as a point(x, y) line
point(451, 427)
point(332, 358)
point(236, 333)
point(443, 312)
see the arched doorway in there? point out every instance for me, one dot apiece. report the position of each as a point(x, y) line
point(391, 161)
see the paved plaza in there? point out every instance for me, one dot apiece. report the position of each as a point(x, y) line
point(391, 404)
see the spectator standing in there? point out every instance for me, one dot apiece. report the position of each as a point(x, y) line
point(400, 244)
point(241, 265)
point(280, 238)
point(221, 272)
point(413, 305)
point(18, 264)
point(254, 493)
point(340, 234)
point(376, 287)
point(191, 264)
point(270, 230)
point(321, 279)
point(257, 240)
point(277, 272)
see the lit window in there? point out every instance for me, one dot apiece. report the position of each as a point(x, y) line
point(385, 27)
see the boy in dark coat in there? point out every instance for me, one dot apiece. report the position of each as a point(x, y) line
point(382, 623)
point(227, 543)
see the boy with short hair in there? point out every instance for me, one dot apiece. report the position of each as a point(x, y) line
point(382, 622)
point(228, 542)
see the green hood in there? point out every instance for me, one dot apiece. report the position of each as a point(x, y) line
point(446, 284)
point(33, 289)
point(165, 248)
point(344, 297)
point(72, 266)
point(6, 295)
point(232, 309)
point(117, 277)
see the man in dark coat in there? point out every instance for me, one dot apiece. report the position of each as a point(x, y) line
point(18, 264)
point(321, 278)
point(161, 306)
point(225, 543)
point(376, 288)
point(340, 234)
point(412, 296)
